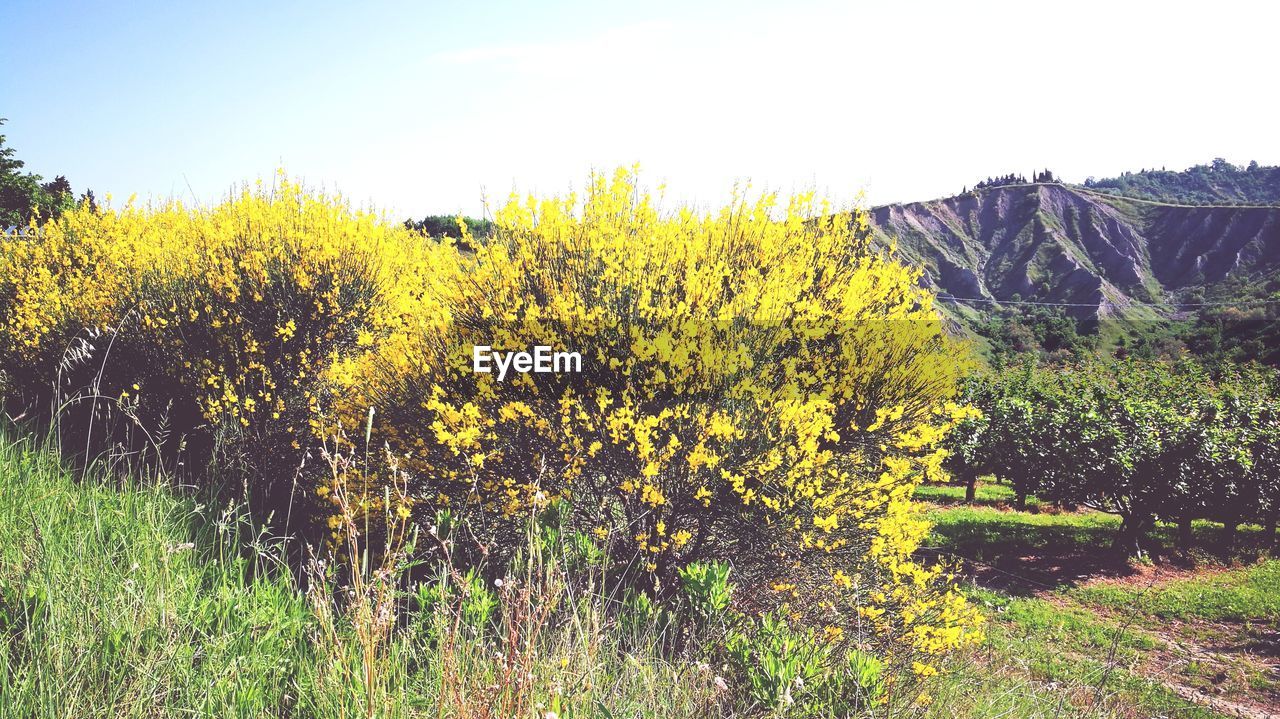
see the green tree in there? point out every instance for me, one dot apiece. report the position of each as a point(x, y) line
point(451, 226)
point(22, 195)
point(1145, 439)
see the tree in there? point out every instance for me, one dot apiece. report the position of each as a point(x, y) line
point(23, 197)
point(1007, 438)
point(968, 445)
point(452, 226)
point(1145, 439)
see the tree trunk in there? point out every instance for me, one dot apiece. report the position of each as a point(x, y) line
point(971, 489)
point(1230, 532)
point(1269, 530)
point(1185, 535)
point(1133, 530)
point(1020, 501)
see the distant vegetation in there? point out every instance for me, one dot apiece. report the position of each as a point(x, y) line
point(25, 196)
point(1013, 179)
point(1219, 182)
point(1244, 328)
point(451, 226)
point(1051, 331)
point(1146, 440)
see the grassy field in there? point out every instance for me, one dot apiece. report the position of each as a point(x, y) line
point(120, 598)
point(989, 494)
point(1078, 630)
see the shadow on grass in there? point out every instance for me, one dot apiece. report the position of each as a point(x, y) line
point(1263, 642)
point(1021, 553)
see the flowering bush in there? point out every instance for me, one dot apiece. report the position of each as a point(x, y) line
point(195, 328)
point(758, 385)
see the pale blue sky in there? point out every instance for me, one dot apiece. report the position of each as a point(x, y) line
point(420, 107)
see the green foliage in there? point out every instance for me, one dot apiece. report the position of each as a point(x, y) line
point(779, 663)
point(1049, 331)
point(1219, 182)
point(641, 614)
point(1243, 325)
point(579, 551)
point(479, 603)
point(23, 197)
point(451, 226)
point(863, 677)
point(706, 586)
point(1141, 439)
point(799, 671)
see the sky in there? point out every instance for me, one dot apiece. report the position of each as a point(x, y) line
point(421, 108)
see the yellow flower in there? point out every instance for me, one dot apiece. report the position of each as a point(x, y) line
point(732, 356)
point(923, 670)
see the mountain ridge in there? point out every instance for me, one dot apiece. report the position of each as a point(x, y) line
point(1073, 245)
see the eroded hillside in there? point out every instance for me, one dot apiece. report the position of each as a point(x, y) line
point(1058, 243)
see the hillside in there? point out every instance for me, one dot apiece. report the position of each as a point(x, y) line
point(1101, 254)
point(1217, 183)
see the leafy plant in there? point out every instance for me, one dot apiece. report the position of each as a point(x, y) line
point(706, 586)
point(781, 667)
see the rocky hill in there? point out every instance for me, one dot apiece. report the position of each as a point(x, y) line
point(1052, 242)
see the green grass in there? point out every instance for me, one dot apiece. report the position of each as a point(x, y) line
point(117, 600)
point(1065, 626)
point(986, 493)
point(120, 599)
point(1044, 660)
point(1250, 594)
point(985, 534)
point(988, 530)
point(1104, 649)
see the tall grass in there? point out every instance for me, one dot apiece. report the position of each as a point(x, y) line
point(120, 598)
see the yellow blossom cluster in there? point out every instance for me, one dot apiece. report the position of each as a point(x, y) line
point(219, 325)
point(758, 383)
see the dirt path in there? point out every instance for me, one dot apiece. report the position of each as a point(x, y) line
point(1218, 704)
point(1216, 653)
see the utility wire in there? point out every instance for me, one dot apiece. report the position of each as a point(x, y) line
point(1153, 305)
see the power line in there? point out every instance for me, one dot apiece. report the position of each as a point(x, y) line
point(1153, 305)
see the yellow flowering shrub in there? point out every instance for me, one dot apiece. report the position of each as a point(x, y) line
point(197, 327)
point(758, 385)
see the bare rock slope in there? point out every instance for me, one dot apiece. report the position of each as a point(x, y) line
point(1059, 243)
